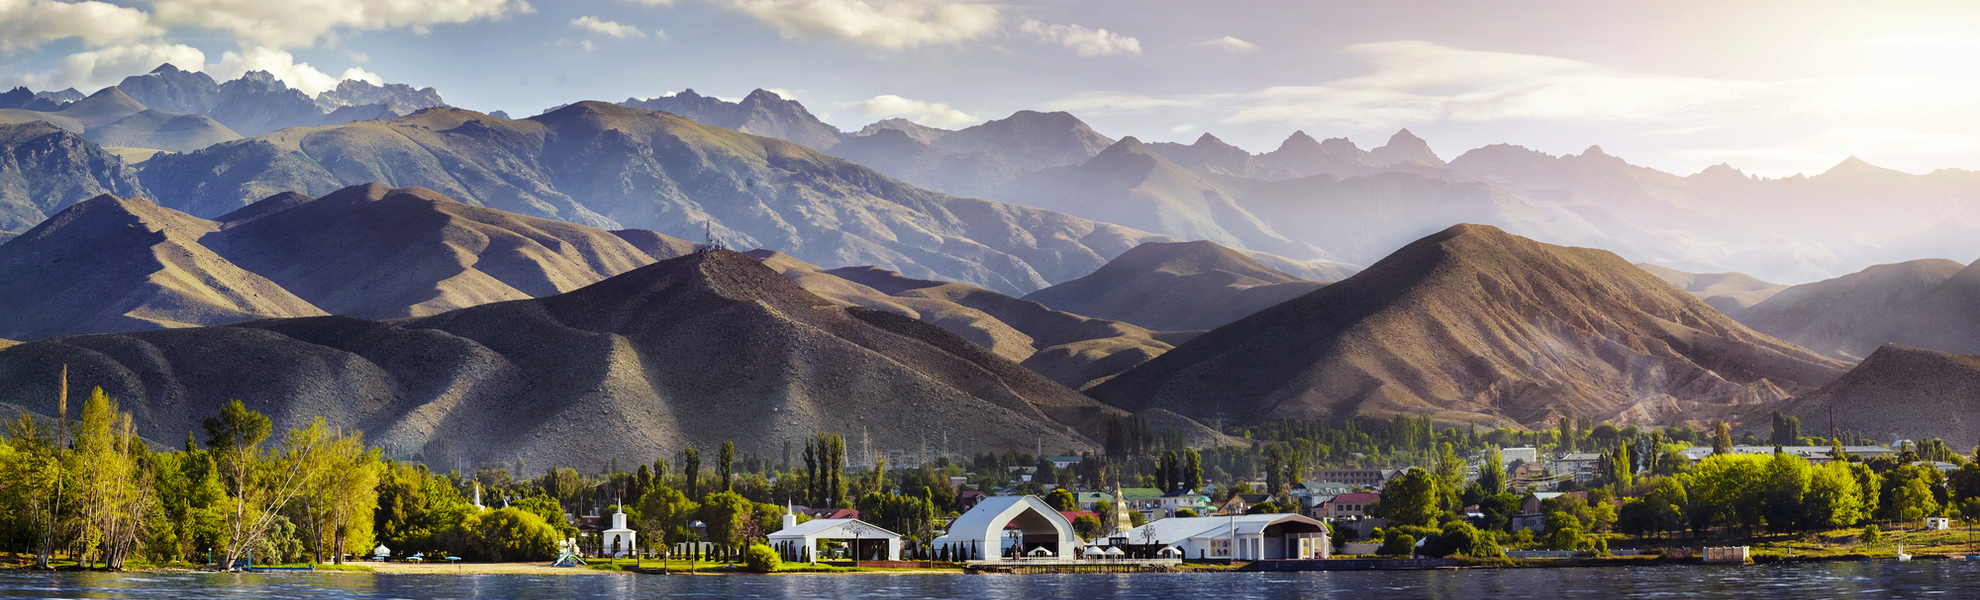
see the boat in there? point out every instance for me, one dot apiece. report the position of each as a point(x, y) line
point(1901, 555)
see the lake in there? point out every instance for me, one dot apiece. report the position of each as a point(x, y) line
point(1917, 579)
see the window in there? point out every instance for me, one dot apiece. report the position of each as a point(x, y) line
point(1220, 548)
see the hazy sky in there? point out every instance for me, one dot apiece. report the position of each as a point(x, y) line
point(1774, 88)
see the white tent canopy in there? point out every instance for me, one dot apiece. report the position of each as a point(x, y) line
point(381, 550)
point(1040, 551)
point(1038, 526)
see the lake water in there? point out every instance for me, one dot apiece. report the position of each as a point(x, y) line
point(1917, 579)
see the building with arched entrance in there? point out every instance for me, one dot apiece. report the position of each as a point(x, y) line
point(799, 542)
point(995, 526)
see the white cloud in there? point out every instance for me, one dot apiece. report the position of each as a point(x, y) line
point(933, 114)
point(301, 23)
point(1228, 44)
point(1181, 128)
point(1413, 82)
point(1086, 42)
point(609, 28)
point(1121, 102)
point(1812, 154)
point(283, 66)
point(103, 67)
point(883, 24)
point(782, 93)
point(27, 24)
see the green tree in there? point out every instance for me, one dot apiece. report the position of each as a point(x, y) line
point(511, 534)
point(1785, 481)
point(1061, 500)
point(1722, 437)
point(1397, 543)
point(1725, 490)
point(664, 512)
point(1087, 527)
point(1834, 499)
point(1563, 531)
point(691, 472)
point(725, 513)
point(1492, 476)
point(728, 464)
point(114, 492)
point(1193, 470)
point(1411, 500)
point(30, 475)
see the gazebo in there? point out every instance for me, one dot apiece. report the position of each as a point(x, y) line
point(799, 541)
point(980, 533)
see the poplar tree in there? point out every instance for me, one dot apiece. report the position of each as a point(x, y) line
point(728, 464)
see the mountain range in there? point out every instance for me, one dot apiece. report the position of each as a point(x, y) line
point(1476, 325)
point(615, 167)
point(686, 352)
point(113, 265)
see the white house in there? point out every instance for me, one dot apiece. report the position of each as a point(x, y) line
point(864, 541)
point(1256, 537)
point(1002, 522)
point(617, 542)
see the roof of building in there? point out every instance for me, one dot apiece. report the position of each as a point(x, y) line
point(832, 513)
point(986, 521)
point(1356, 498)
point(1093, 497)
point(1176, 529)
point(1181, 494)
point(833, 528)
point(1140, 493)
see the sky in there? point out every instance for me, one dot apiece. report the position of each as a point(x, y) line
point(1771, 87)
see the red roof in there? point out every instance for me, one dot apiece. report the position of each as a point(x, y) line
point(832, 513)
point(1075, 514)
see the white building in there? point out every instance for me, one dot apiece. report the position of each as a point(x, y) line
point(617, 542)
point(798, 542)
point(982, 534)
point(1524, 454)
point(1255, 537)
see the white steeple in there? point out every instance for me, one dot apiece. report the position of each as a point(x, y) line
point(790, 518)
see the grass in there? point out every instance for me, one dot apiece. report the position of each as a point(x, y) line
point(1833, 544)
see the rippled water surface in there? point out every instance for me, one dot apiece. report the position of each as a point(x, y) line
point(1918, 579)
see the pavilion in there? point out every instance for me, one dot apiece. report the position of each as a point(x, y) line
point(798, 542)
point(982, 533)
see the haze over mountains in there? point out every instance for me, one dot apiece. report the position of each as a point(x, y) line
point(687, 352)
point(1476, 325)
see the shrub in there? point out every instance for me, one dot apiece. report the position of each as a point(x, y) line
point(1397, 544)
point(760, 558)
point(1871, 534)
point(1184, 512)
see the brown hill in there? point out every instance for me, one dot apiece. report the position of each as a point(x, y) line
point(1850, 316)
point(1073, 350)
point(1899, 392)
point(1731, 293)
point(1176, 287)
point(1948, 319)
point(382, 253)
point(686, 352)
point(115, 265)
point(1475, 325)
point(614, 167)
point(104, 107)
point(112, 265)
